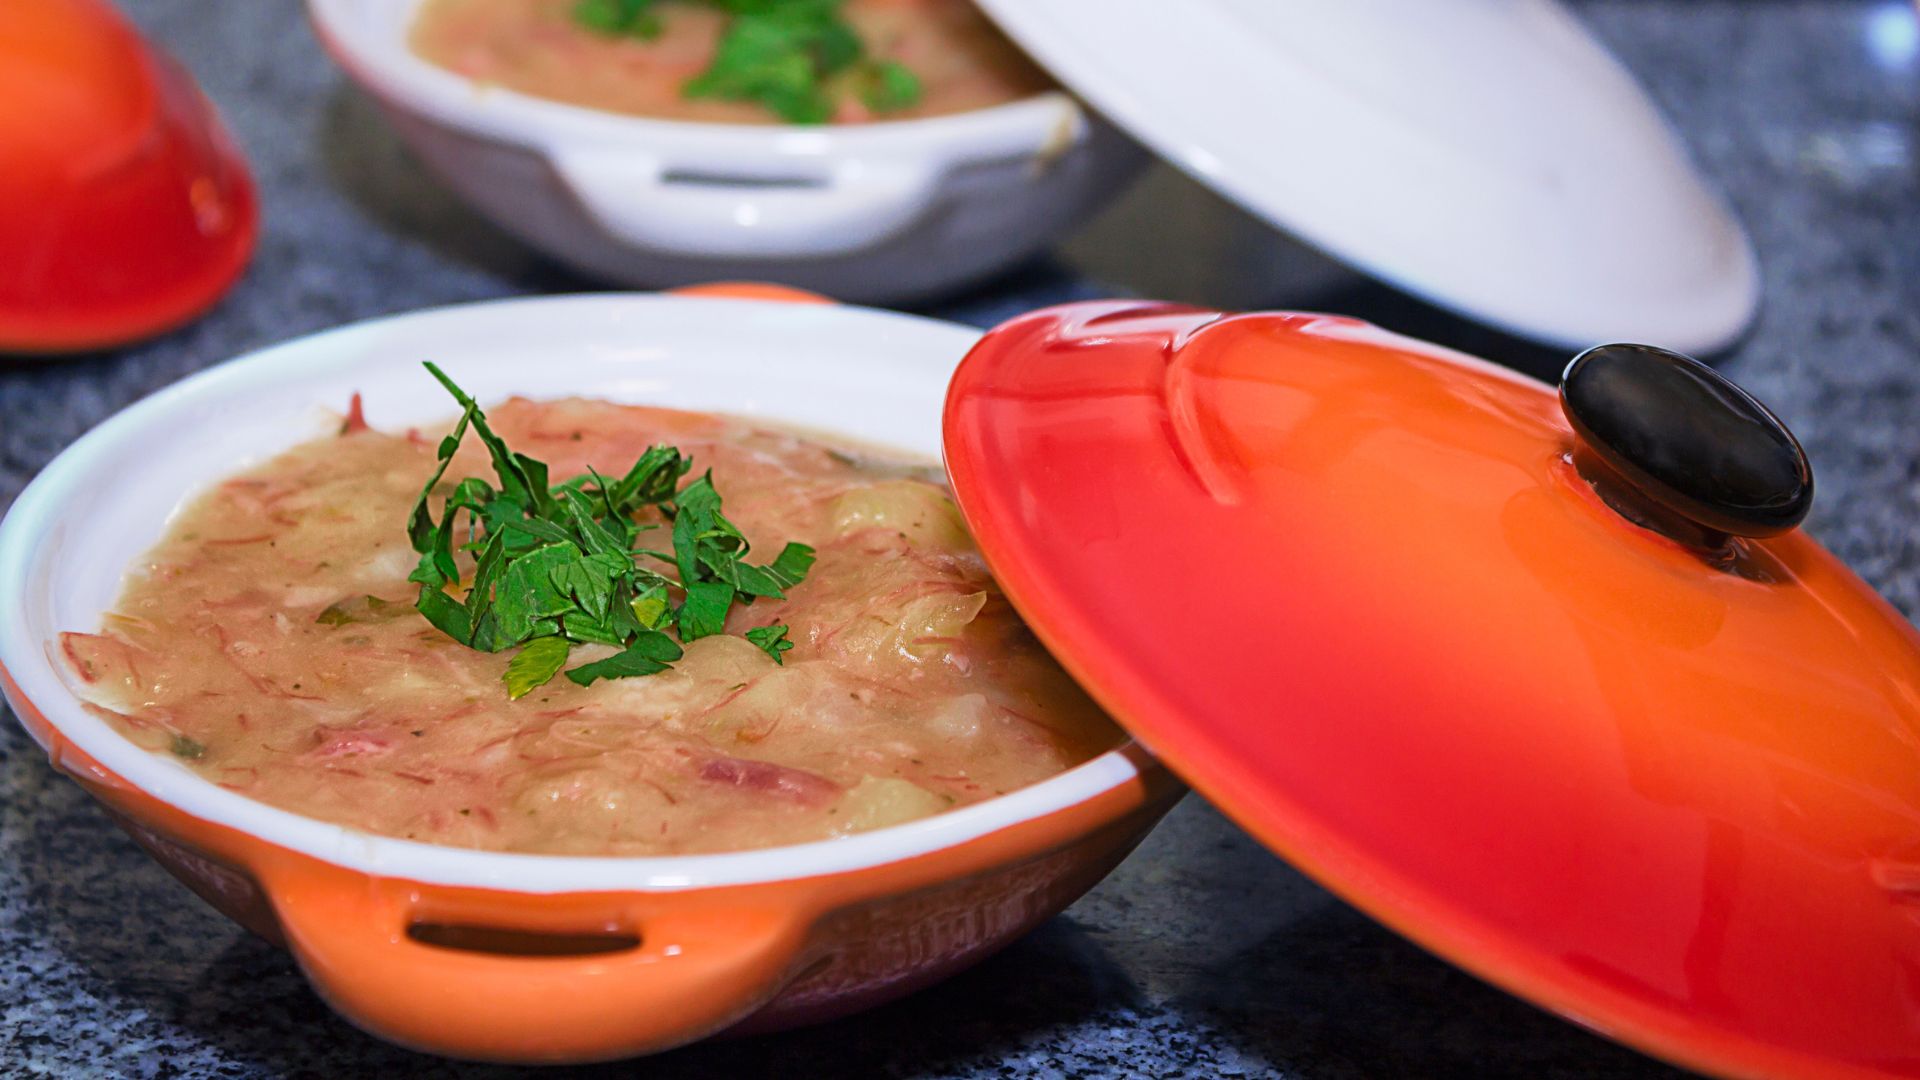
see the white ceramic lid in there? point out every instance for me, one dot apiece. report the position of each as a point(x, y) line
point(1488, 155)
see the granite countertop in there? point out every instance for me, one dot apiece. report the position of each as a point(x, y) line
point(1203, 955)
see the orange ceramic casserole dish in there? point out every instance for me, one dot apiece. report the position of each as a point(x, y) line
point(682, 947)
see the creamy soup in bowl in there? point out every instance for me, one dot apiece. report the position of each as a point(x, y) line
point(806, 61)
point(274, 643)
point(618, 167)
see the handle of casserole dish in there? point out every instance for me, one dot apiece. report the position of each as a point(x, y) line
point(696, 970)
point(861, 205)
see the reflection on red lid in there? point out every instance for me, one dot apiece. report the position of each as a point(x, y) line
point(125, 207)
point(1354, 589)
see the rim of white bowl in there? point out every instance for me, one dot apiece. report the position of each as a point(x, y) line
point(384, 64)
point(28, 656)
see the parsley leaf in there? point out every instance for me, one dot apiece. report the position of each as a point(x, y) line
point(652, 608)
point(650, 654)
point(651, 480)
point(772, 640)
point(443, 612)
point(705, 611)
point(788, 569)
point(888, 86)
point(522, 479)
point(526, 594)
point(618, 17)
point(536, 662)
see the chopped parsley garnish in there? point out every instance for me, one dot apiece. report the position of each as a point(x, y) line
point(651, 653)
point(634, 17)
point(554, 565)
point(791, 56)
point(186, 747)
point(771, 639)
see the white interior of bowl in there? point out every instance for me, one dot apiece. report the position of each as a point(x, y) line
point(369, 37)
point(874, 376)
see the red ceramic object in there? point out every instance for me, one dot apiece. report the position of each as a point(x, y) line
point(1354, 589)
point(125, 207)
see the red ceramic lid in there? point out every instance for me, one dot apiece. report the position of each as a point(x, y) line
point(1371, 598)
point(125, 207)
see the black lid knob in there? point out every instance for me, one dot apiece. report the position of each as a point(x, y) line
point(1688, 439)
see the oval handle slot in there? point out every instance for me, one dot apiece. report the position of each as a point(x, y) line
point(501, 941)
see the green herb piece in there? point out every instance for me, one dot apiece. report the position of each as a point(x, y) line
point(651, 610)
point(787, 569)
point(587, 629)
point(651, 653)
point(446, 614)
point(792, 57)
point(361, 609)
point(887, 86)
point(185, 747)
point(707, 550)
point(553, 565)
point(618, 17)
point(705, 611)
point(780, 55)
point(651, 480)
point(527, 595)
point(537, 661)
point(772, 640)
point(522, 479)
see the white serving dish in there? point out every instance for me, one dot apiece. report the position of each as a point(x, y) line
point(822, 928)
point(875, 213)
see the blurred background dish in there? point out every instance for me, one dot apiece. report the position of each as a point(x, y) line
point(885, 212)
point(125, 206)
point(1487, 155)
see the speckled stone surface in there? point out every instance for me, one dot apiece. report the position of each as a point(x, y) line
point(1203, 956)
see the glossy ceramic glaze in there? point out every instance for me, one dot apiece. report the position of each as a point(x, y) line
point(881, 212)
point(125, 207)
point(748, 940)
point(1353, 588)
point(1489, 155)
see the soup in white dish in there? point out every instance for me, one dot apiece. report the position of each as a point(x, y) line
point(271, 642)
